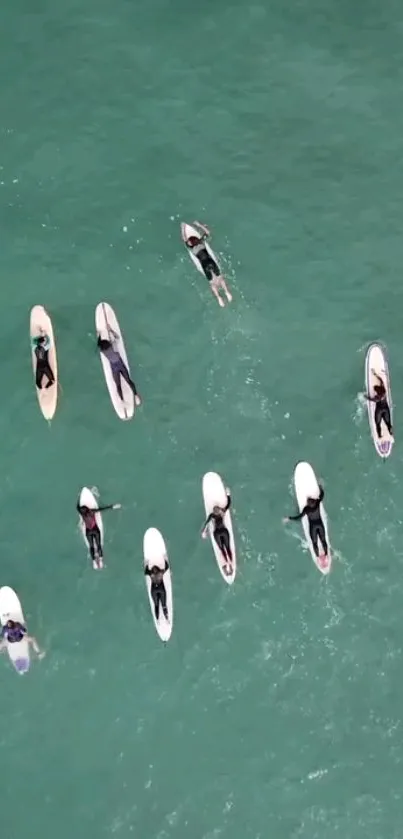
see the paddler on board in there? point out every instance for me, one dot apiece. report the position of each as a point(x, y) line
point(210, 268)
point(92, 531)
point(13, 632)
point(316, 526)
point(118, 367)
point(158, 590)
point(40, 347)
point(221, 533)
point(382, 410)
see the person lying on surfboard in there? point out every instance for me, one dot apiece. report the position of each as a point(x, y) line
point(12, 632)
point(209, 265)
point(41, 347)
point(316, 526)
point(92, 531)
point(382, 410)
point(118, 367)
point(221, 533)
point(158, 590)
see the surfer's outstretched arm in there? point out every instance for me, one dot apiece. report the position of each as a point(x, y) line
point(298, 516)
point(107, 507)
point(228, 504)
point(206, 523)
point(378, 378)
point(203, 228)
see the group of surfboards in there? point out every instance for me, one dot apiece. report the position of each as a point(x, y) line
point(308, 490)
point(217, 500)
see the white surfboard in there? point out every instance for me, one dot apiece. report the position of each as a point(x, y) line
point(155, 553)
point(187, 231)
point(10, 609)
point(105, 320)
point(306, 486)
point(214, 495)
point(376, 360)
point(47, 397)
point(87, 499)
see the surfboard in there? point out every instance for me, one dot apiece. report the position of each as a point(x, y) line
point(306, 486)
point(105, 320)
point(214, 495)
point(10, 609)
point(155, 553)
point(47, 397)
point(87, 499)
point(376, 360)
point(187, 230)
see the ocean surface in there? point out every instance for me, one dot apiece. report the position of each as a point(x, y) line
point(274, 712)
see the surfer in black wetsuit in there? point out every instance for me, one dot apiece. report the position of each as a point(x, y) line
point(221, 533)
point(382, 410)
point(158, 590)
point(13, 632)
point(41, 346)
point(118, 367)
point(196, 245)
point(316, 526)
point(92, 531)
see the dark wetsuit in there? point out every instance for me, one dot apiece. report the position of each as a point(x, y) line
point(118, 367)
point(382, 410)
point(92, 531)
point(220, 532)
point(158, 590)
point(199, 250)
point(41, 347)
point(13, 634)
point(316, 526)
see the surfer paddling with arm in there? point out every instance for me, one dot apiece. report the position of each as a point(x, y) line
point(158, 590)
point(221, 533)
point(41, 346)
point(13, 632)
point(196, 245)
point(382, 410)
point(316, 526)
point(92, 531)
point(118, 367)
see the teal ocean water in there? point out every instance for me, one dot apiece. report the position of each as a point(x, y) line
point(275, 709)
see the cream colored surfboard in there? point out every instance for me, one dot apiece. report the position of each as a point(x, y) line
point(47, 397)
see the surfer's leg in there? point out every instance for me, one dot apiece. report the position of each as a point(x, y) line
point(98, 542)
point(225, 289)
point(90, 536)
point(156, 596)
point(223, 541)
point(378, 418)
point(116, 373)
point(48, 372)
point(226, 542)
point(163, 596)
point(39, 376)
point(212, 274)
point(126, 376)
point(314, 533)
point(215, 288)
point(386, 418)
point(320, 530)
